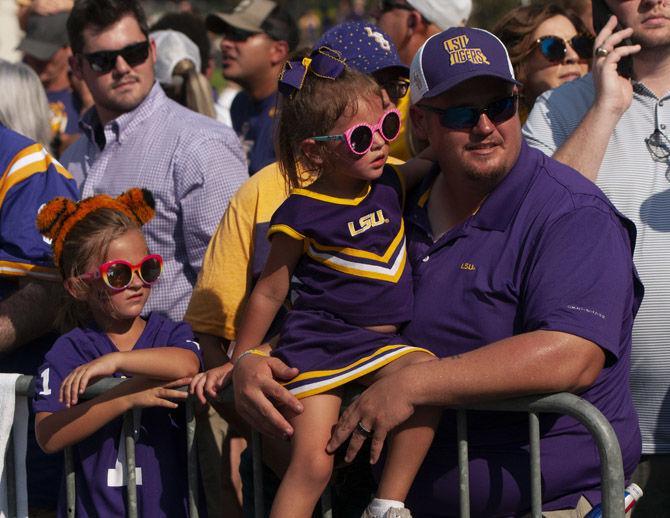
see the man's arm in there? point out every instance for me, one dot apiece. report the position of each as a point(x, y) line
point(27, 313)
point(530, 363)
point(585, 148)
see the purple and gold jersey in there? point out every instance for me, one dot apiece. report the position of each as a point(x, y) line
point(29, 177)
point(353, 274)
point(355, 260)
point(99, 460)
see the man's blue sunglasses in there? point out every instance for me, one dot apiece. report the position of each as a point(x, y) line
point(467, 117)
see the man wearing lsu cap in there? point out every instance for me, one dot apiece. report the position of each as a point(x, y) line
point(507, 248)
point(256, 39)
point(46, 50)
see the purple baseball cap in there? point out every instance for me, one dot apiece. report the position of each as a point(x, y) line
point(365, 47)
point(456, 55)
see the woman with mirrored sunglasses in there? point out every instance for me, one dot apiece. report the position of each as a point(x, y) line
point(547, 45)
point(107, 273)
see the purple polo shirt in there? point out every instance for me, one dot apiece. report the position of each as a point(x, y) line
point(545, 251)
point(99, 460)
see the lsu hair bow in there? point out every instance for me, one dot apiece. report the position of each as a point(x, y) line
point(323, 62)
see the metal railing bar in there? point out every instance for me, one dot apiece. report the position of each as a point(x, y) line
point(10, 469)
point(191, 456)
point(25, 386)
point(463, 464)
point(70, 488)
point(535, 468)
point(611, 464)
point(131, 480)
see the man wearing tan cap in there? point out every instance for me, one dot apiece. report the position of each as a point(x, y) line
point(256, 39)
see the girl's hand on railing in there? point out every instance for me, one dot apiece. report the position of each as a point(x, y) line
point(76, 382)
point(144, 393)
point(211, 382)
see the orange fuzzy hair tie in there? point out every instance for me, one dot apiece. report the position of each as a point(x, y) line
point(60, 215)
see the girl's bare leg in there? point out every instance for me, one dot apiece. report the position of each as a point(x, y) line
point(409, 443)
point(310, 467)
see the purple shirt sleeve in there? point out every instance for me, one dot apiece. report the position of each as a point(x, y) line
point(578, 282)
point(58, 363)
point(182, 337)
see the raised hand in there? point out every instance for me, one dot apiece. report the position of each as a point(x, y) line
point(613, 92)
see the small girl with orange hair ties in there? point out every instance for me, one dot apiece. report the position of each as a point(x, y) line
point(107, 273)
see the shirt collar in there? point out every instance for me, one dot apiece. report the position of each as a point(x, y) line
point(124, 123)
point(503, 202)
point(500, 206)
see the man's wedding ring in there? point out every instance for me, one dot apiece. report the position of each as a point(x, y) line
point(363, 430)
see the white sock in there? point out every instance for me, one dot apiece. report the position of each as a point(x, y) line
point(379, 506)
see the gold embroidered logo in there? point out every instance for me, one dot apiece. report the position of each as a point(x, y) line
point(374, 219)
point(460, 53)
point(468, 266)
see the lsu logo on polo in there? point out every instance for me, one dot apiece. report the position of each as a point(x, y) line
point(374, 219)
point(460, 53)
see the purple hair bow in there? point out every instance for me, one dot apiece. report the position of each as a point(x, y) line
point(323, 62)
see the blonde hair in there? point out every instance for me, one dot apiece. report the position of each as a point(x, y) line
point(23, 104)
point(190, 88)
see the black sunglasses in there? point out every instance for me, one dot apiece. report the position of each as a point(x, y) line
point(467, 117)
point(396, 88)
point(234, 34)
point(105, 60)
point(658, 146)
point(555, 49)
point(385, 6)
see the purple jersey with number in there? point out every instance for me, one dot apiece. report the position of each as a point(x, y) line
point(354, 265)
point(99, 460)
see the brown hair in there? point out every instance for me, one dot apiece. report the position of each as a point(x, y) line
point(313, 110)
point(87, 243)
point(516, 29)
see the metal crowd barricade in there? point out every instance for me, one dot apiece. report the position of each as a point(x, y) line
point(25, 386)
point(612, 484)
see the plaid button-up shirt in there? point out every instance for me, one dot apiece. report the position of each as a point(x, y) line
point(192, 164)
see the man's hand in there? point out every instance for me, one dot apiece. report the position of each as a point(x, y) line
point(258, 395)
point(211, 382)
point(614, 93)
point(379, 409)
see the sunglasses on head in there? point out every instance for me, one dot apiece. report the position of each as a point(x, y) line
point(359, 137)
point(555, 49)
point(118, 274)
point(467, 117)
point(105, 60)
